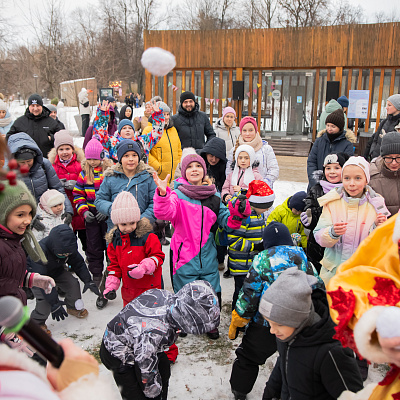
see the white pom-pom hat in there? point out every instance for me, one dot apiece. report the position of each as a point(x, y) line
point(158, 61)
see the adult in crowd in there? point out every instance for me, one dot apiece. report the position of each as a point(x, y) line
point(385, 171)
point(332, 106)
point(84, 109)
point(344, 102)
point(126, 113)
point(53, 114)
point(387, 125)
point(5, 119)
point(226, 128)
point(37, 123)
point(191, 123)
point(140, 123)
point(113, 103)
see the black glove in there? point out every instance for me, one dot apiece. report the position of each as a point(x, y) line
point(242, 199)
point(111, 295)
point(37, 224)
point(93, 287)
point(259, 246)
point(89, 217)
point(69, 184)
point(58, 312)
point(67, 218)
point(100, 217)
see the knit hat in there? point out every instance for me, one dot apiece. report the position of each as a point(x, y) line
point(228, 110)
point(336, 118)
point(343, 101)
point(336, 158)
point(25, 154)
point(248, 173)
point(187, 96)
point(125, 122)
point(297, 201)
point(395, 100)
point(35, 99)
point(276, 234)
point(164, 107)
point(51, 198)
point(246, 120)
point(189, 159)
point(390, 143)
point(359, 162)
point(63, 138)
point(3, 105)
point(94, 150)
point(260, 194)
point(288, 300)
point(51, 107)
point(110, 99)
point(14, 196)
point(125, 209)
point(127, 145)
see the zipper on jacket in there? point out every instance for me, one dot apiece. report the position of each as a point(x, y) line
point(179, 255)
point(172, 155)
point(201, 236)
point(33, 188)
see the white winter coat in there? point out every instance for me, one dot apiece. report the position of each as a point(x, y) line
point(230, 137)
point(83, 98)
point(49, 221)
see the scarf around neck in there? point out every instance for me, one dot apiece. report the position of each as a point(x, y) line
point(196, 192)
point(256, 143)
point(328, 186)
point(5, 121)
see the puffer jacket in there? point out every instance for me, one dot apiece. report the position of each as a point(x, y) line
point(195, 223)
point(192, 127)
point(323, 146)
point(148, 325)
point(230, 136)
point(166, 154)
point(6, 128)
point(84, 106)
point(141, 123)
point(70, 171)
point(141, 185)
point(386, 183)
point(332, 106)
point(39, 128)
point(42, 175)
point(49, 221)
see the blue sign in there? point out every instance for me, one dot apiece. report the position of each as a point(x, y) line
point(358, 104)
point(278, 82)
point(299, 99)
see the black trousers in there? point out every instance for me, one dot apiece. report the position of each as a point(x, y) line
point(85, 123)
point(96, 246)
point(239, 279)
point(257, 345)
point(128, 377)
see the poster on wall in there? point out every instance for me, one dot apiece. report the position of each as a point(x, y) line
point(358, 104)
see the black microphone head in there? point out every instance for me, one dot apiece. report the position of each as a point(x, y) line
point(11, 311)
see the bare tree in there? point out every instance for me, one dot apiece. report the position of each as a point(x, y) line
point(390, 16)
point(261, 13)
point(303, 13)
point(347, 14)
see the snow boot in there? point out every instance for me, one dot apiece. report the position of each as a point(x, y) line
point(101, 302)
point(214, 334)
point(238, 395)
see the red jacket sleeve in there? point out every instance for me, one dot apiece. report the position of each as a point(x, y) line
point(153, 250)
point(113, 268)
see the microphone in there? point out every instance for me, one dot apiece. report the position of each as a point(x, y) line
point(15, 318)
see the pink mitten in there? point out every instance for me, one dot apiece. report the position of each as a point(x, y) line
point(137, 271)
point(149, 265)
point(112, 283)
point(238, 212)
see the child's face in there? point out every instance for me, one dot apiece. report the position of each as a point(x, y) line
point(296, 212)
point(53, 114)
point(127, 228)
point(58, 209)
point(27, 163)
point(243, 159)
point(331, 129)
point(130, 161)
point(93, 162)
point(248, 132)
point(281, 332)
point(212, 160)
point(148, 108)
point(19, 219)
point(2, 114)
point(166, 116)
point(127, 132)
point(333, 173)
point(229, 119)
point(354, 181)
point(194, 173)
point(65, 152)
point(128, 112)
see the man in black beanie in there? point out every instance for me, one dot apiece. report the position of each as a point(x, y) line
point(191, 123)
point(37, 123)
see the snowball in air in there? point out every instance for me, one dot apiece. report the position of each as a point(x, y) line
point(158, 61)
point(388, 322)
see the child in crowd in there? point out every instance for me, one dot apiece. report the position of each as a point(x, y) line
point(289, 214)
point(311, 364)
point(244, 172)
point(142, 122)
point(49, 212)
point(135, 340)
point(6, 120)
point(125, 113)
point(258, 343)
point(331, 178)
point(63, 257)
point(349, 214)
point(87, 185)
point(66, 159)
point(246, 242)
point(268, 165)
point(134, 252)
point(226, 128)
point(195, 210)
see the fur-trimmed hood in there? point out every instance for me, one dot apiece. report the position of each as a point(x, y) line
point(143, 226)
point(350, 136)
point(80, 155)
point(117, 169)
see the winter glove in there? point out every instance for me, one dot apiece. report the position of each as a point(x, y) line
point(100, 217)
point(67, 218)
point(57, 311)
point(112, 285)
point(93, 287)
point(36, 224)
point(69, 184)
point(14, 342)
point(306, 218)
point(259, 246)
point(136, 272)
point(237, 322)
point(89, 217)
point(111, 295)
point(244, 205)
point(43, 282)
point(238, 212)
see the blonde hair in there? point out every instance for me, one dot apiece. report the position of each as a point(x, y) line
point(89, 170)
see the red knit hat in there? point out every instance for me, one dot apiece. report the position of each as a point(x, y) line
point(247, 120)
point(260, 194)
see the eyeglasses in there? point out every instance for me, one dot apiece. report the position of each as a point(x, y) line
point(389, 160)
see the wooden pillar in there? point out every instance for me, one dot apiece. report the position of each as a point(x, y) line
point(165, 90)
point(148, 88)
point(183, 81)
point(371, 81)
point(203, 101)
point(392, 78)
point(174, 92)
point(156, 86)
point(250, 99)
point(192, 83)
point(359, 83)
point(338, 77)
point(211, 96)
point(378, 113)
point(259, 98)
point(239, 77)
point(229, 103)
point(221, 84)
point(315, 110)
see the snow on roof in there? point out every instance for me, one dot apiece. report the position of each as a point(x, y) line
point(77, 80)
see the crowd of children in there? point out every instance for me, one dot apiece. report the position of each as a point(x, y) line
point(219, 202)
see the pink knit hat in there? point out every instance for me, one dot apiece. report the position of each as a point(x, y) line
point(189, 159)
point(246, 120)
point(51, 198)
point(228, 110)
point(94, 150)
point(125, 209)
point(63, 137)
